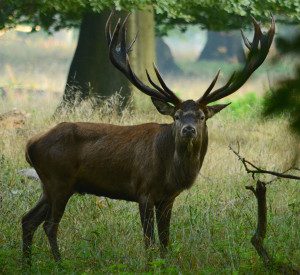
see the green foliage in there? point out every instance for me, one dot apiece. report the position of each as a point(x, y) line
point(285, 99)
point(249, 104)
point(243, 107)
point(224, 14)
point(55, 14)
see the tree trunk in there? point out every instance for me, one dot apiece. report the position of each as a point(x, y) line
point(165, 60)
point(143, 54)
point(223, 46)
point(91, 74)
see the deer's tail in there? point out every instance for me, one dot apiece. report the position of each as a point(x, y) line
point(29, 152)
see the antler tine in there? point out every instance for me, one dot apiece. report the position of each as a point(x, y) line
point(164, 86)
point(231, 78)
point(108, 28)
point(123, 47)
point(124, 30)
point(171, 95)
point(255, 58)
point(211, 86)
point(113, 43)
point(246, 40)
point(118, 54)
point(155, 85)
point(142, 87)
point(257, 33)
point(132, 42)
point(271, 31)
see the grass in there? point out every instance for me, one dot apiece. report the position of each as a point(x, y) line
point(212, 222)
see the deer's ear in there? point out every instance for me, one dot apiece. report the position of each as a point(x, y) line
point(212, 110)
point(163, 107)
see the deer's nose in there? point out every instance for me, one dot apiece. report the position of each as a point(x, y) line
point(188, 131)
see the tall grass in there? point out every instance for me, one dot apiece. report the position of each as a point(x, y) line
point(212, 222)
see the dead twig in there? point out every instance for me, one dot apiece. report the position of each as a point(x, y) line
point(260, 191)
point(253, 169)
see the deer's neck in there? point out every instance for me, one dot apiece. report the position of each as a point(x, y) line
point(187, 160)
point(184, 159)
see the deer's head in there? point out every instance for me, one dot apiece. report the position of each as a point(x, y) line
point(189, 116)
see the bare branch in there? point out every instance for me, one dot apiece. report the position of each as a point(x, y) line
point(257, 239)
point(253, 169)
point(251, 188)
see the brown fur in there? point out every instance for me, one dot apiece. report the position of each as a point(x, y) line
point(150, 164)
point(120, 162)
point(144, 163)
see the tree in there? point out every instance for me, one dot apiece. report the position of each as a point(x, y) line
point(285, 98)
point(220, 18)
point(223, 46)
point(225, 14)
point(91, 74)
point(86, 75)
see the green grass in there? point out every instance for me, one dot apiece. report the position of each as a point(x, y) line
point(248, 105)
point(212, 222)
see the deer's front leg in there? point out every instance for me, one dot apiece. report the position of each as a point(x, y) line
point(146, 208)
point(163, 217)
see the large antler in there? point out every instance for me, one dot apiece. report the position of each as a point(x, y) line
point(118, 54)
point(259, 49)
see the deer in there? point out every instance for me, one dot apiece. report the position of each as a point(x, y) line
point(150, 164)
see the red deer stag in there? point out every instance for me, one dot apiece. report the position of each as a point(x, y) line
point(150, 164)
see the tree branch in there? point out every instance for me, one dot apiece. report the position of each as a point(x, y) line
point(257, 239)
point(260, 191)
point(253, 169)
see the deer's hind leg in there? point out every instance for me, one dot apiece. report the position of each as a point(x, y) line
point(58, 203)
point(30, 222)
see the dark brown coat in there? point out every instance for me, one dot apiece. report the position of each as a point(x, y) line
point(119, 162)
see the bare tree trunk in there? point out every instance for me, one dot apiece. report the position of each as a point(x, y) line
point(91, 74)
point(257, 239)
point(223, 46)
point(143, 53)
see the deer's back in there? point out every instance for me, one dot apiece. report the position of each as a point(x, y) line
point(118, 157)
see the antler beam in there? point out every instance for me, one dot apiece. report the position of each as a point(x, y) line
point(118, 54)
point(258, 48)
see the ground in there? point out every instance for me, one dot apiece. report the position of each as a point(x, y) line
point(212, 222)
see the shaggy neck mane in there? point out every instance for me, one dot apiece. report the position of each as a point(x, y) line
point(182, 160)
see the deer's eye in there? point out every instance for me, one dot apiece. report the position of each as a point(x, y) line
point(201, 116)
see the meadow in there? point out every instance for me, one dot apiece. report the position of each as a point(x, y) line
point(212, 222)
